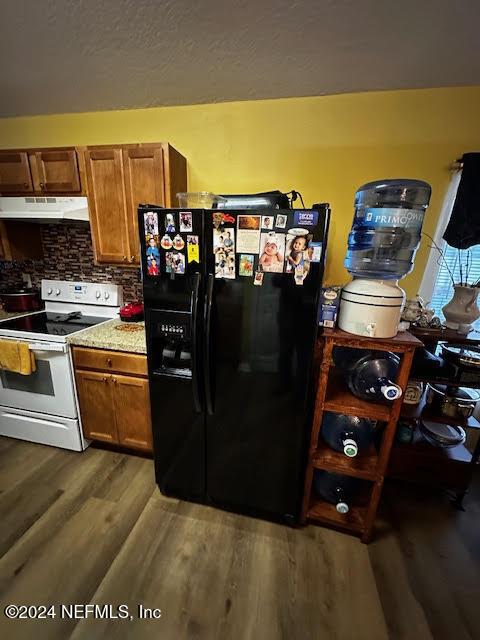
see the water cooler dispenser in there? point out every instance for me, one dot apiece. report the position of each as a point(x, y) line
point(382, 243)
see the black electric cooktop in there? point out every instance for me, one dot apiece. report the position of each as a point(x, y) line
point(51, 323)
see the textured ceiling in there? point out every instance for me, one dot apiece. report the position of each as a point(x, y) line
point(83, 55)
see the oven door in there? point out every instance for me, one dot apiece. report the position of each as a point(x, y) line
point(49, 390)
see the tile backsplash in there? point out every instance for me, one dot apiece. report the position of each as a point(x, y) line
point(68, 255)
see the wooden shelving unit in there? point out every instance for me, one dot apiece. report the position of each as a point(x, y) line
point(362, 466)
point(333, 395)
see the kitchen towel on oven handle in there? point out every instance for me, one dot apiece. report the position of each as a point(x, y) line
point(16, 357)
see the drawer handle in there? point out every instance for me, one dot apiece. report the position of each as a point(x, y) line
point(109, 362)
point(114, 380)
point(104, 379)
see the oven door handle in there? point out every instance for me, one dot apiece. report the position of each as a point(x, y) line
point(47, 346)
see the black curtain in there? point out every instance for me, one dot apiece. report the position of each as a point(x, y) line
point(463, 229)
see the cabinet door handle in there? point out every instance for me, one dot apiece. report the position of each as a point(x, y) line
point(42, 186)
point(109, 362)
point(114, 380)
point(125, 259)
point(25, 185)
point(104, 379)
point(132, 258)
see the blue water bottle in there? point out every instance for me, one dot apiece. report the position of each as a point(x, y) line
point(370, 375)
point(335, 488)
point(347, 434)
point(386, 228)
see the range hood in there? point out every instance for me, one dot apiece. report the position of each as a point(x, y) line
point(44, 209)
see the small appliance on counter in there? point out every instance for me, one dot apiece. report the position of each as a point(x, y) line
point(132, 312)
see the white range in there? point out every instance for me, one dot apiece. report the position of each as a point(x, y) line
point(43, 407)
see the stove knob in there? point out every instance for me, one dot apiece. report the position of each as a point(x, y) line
point(49, 291)
point(97, 294)
point(57, 292)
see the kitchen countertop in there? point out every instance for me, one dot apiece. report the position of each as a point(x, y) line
point(130, 338)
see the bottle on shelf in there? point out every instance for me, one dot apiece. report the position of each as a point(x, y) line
point(337, 489)
point(386, 228)
point(347, 434)
point(370, 375)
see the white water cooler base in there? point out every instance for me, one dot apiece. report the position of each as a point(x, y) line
point(371, 308)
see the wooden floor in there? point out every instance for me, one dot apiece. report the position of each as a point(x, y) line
point(93, 528)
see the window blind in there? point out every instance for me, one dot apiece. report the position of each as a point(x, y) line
point(443, 288)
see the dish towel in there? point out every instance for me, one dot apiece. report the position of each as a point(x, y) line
point(16, 357)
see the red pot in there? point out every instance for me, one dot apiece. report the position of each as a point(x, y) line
point(21, 300)
point(132, 312)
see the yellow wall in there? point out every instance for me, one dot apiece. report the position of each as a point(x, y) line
point(324, 147)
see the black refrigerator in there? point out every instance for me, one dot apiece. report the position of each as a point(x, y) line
point(231, 304)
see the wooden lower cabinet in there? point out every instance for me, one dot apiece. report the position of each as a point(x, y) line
point(95, 395)
point(114, 407)
point(132, 411)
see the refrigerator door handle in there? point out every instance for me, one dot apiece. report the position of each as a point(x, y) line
point(208, 330)
point(194, 312)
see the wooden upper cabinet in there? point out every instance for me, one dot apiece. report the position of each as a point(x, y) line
point(121, 177)
point(106, 200)
point(20, 241)
point(57, 171)
point(15, 176)
point(132, 412)
point(175, 175)
point(95, 395)
point(144, 184)
point(40, 171)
